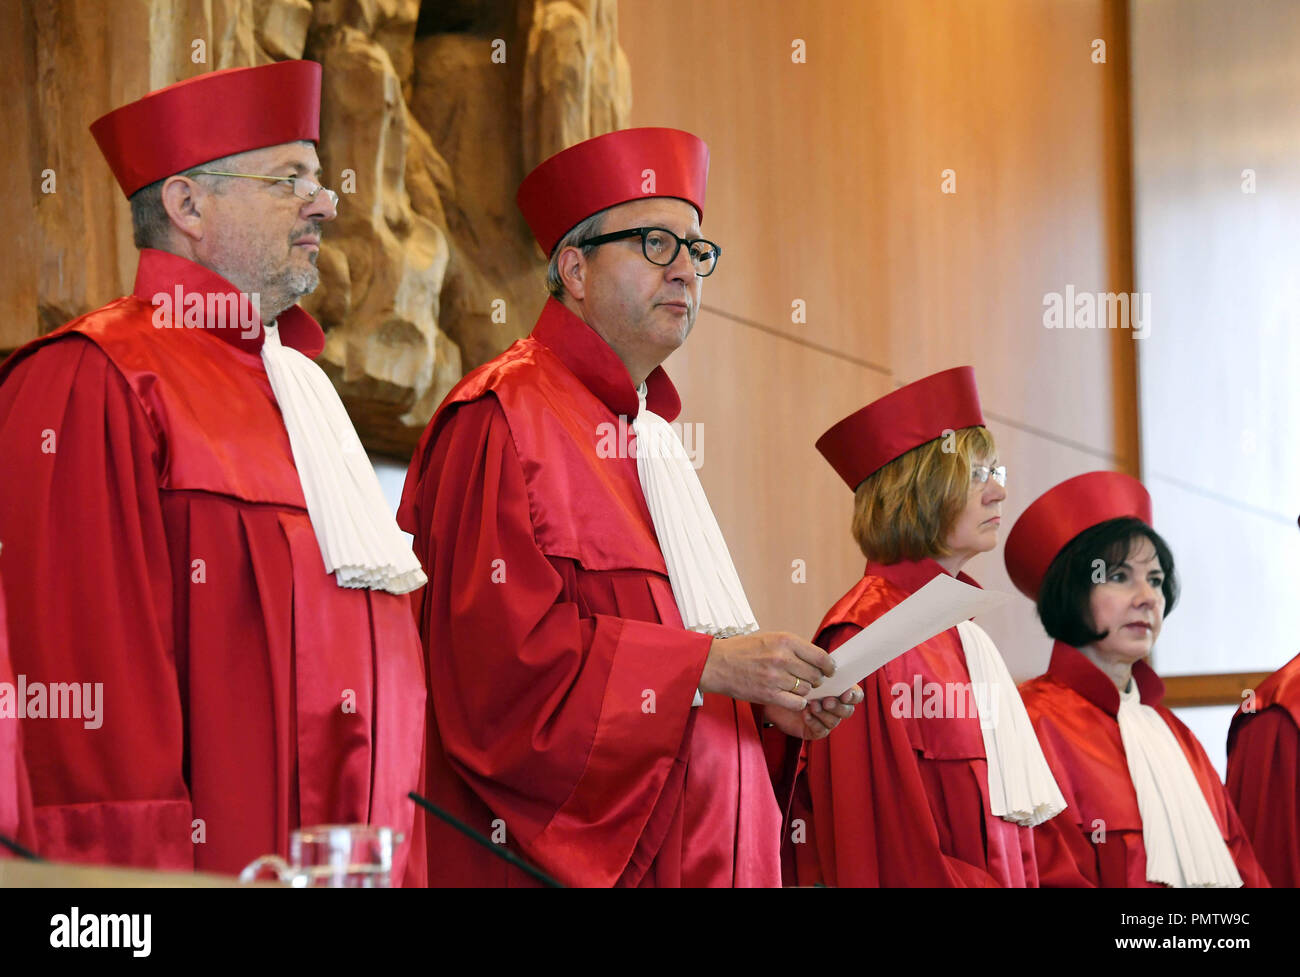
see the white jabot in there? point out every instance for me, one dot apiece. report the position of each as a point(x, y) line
point(1185, 848)
point(358, 536)
point(704, 580)
point(1021, 786)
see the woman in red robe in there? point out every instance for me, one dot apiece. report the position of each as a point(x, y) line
point(900, 796)
point(1145, 806)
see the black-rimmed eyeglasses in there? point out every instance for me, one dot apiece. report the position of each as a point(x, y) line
point(660, 247)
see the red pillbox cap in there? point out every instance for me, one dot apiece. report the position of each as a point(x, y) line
point(1062, 513)
point(204, 118)
point(870, 438)
point(618, 167)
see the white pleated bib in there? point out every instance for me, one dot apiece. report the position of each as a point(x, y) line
point(1022, 789)
point(1185, 848)
point(358, 536)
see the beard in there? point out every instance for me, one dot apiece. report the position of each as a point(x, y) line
point(279, 280)
point(298, 282)
point(301, 281)
point(290, 286)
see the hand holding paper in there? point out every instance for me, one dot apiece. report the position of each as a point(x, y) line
point(942, 603)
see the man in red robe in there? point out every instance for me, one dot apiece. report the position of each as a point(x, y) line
point(582, 713)
point(159, 550)
point(1264, 773)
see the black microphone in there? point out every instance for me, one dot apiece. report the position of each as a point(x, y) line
point(499, 850)
point(19, 850)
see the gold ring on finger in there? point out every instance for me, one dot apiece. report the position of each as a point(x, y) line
point(795, 690)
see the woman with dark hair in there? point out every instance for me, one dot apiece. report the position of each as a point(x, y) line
point(937, 779)
point(1145, 806)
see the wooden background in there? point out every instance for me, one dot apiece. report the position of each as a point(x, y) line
point(825, 186)
point(1217, 96)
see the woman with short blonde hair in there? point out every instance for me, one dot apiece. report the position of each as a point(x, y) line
point(892, 521)
point(900, 795)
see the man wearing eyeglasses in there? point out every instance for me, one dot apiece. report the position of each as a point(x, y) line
point(194, 541)
point(596, 675)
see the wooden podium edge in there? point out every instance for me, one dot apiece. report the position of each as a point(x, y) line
point(1221, 689)
point(22, 874)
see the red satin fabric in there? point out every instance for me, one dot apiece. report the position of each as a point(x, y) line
point(561, 678)
point(163, 549)
point(15, 792)
point(896, 800)
point(1264, 773)
point(1073, 708)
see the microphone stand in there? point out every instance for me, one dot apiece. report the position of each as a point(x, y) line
point(499, 850)
point(19, 850)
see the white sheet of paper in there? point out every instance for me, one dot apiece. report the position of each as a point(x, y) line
point(941, 604)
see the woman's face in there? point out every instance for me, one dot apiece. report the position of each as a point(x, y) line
point(1130, 605)
point(976, 527)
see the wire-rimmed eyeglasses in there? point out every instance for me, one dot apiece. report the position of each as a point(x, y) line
point(979, 474)
point(303, 188)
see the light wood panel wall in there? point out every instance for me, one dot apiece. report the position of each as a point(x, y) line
point(67, 64)
point(825, 186)
point(18, 280)
point(1217, 93)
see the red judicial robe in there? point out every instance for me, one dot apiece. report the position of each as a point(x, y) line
point(1264, 773)
point(893, 798)
point(157, 542)
point(15, 793)
point(1074, 706)
point(561, 678)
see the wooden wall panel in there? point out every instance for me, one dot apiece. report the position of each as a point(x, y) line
point(1216, 92)
point(1017, 109)
point(74, 238)
point(775, 499)
point(792, 146)
point(825, 186)
point(18, 278)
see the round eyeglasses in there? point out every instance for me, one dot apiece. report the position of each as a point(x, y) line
point(660, 247)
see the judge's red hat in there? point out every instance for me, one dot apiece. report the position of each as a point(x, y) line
point(1062, 513)
point(207, 117)
point(870, 438)
point(630, 164)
